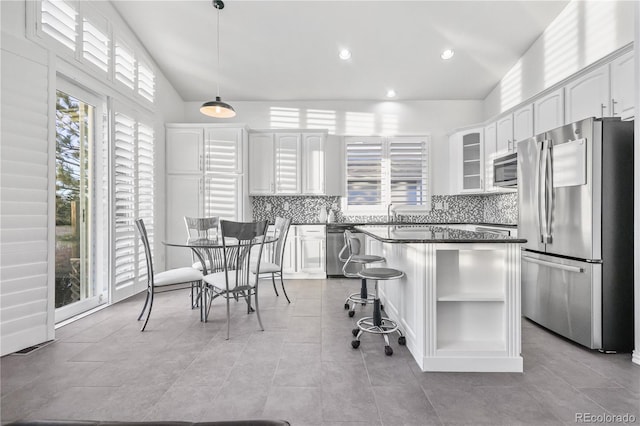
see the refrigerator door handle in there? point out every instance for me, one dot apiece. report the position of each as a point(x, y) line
point(567, 268)
point(548, 204)
point(541, 191)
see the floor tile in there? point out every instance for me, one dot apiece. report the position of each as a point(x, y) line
point(298, 405)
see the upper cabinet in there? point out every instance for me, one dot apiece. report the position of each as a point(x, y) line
point(490, 135)
point(622, 87)
point(504, 133)
point(522, 125)
point(202, 149)
point(549, 111)
point(588, 95)
point(185, 146)
point(289, 163)
point(467, 161)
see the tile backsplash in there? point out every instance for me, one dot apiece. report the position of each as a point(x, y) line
point(493, 208)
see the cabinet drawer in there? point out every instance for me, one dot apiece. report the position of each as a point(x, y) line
point(311, 231)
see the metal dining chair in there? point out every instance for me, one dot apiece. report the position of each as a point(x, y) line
point(274, 267)
point(173, 279)
point(237, 279)
point(203, 227)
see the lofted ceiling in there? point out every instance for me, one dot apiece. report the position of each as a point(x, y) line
point(288, 50)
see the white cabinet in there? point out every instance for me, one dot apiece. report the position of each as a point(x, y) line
point(313, 164)
point(504, 134)
point(467, 163)
point(261, 164)
point(185, 149)
point(522, 125)
point(549, 111)
point(489, 155)
point(288, 163)
point(622, 87)
point(588, 95)
point(304, 254)
point(205, 167)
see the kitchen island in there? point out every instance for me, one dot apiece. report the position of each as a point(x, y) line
point(459, 301)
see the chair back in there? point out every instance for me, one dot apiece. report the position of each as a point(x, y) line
point(238, 239)
point(352, 247)
point(142, 230)
point(281, 231)
point(202, 227)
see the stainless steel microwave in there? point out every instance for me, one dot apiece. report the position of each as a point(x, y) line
point(505, 170)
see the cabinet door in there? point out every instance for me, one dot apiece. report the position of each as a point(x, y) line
point(313, 163)
point(223, 196)
point(490, 134)
point(288, 163)
point(184, 198)
point(588, 96)
point(472, 161)
point(312, 250)
point(522, 125)
point(289, 261)
point(455, 163)
point(504, 134)
point(335, 167)
point(261, 164)
point(622, 87)
point(184, 150)
point(223, 150)
point(549, 111)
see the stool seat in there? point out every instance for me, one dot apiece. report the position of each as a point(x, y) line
point(366, 258)
point(380, 273)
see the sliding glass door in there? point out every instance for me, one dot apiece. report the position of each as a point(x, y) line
point(78, 130)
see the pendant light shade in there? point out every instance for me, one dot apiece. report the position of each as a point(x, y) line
point(217, 108)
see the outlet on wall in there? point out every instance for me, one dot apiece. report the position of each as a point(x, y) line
point(445, 206)
point(438, 205)
point(267, 207)
point(286, 206)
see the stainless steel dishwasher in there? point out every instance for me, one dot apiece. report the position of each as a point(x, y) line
point(335, 243)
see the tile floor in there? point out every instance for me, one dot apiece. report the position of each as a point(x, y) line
point(301, 368)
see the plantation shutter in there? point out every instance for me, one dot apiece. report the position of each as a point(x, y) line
point(125, 206)
point(364, 171)
point(24, 195)
point(146, 82)
point(95, 43)
point(125, 65)
point(145, 192)
point(408, 181)
point(59, 20)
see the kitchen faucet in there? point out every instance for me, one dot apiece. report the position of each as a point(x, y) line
point(389, 212)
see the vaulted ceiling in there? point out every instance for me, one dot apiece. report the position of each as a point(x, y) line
point(288, 50)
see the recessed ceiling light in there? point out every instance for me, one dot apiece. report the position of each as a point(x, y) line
point(447, 54)
point(345, 54)
point(391, 93)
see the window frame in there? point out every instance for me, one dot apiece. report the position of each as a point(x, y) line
point(385, 192)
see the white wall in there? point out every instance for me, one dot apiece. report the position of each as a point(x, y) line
point(584, 32)
point(435, 118)
point(28, 91)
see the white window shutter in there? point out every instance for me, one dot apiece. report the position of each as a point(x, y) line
point(408, 183)
point(146, 82)
point(125, 65)
point(125, 196)
point(95, 43)
point(364, 171)
point(59, 19)
point(145, 191)
point(222, 196)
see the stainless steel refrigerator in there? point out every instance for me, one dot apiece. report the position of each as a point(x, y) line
point(575, 193)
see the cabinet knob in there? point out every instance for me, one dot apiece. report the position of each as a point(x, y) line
point(602, 108)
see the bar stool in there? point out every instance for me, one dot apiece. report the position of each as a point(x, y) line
point(377, 324)
point(352, 246)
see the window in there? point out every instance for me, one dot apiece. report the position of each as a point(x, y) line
point(387, 170)
point(79, 32)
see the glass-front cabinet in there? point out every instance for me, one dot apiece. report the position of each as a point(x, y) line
point(467, 161)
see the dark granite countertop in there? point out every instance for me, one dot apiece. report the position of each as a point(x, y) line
point(412, 233)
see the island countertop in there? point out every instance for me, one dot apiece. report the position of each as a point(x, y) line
point(432, 234)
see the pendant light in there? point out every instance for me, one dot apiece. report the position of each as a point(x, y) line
point(217, 108)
